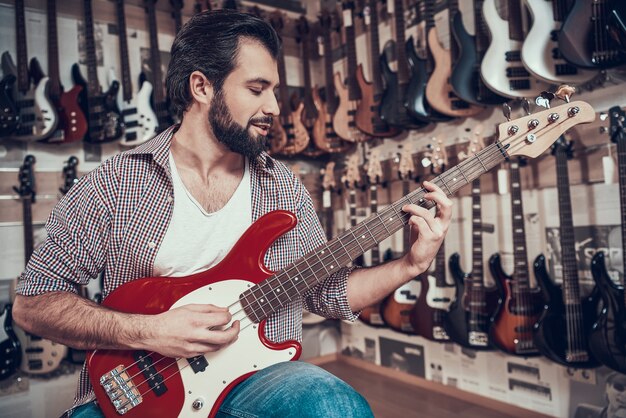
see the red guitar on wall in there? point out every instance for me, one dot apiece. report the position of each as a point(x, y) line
point(141, 384)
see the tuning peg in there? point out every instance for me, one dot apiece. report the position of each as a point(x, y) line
point(544, 99)
point(506, 111)
point(526, 106)
point(564, 92)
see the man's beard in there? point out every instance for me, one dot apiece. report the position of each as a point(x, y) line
point(233, 135)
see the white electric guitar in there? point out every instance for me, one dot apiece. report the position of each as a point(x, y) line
point(540, 52)
point(147, 384)
point(501, 68)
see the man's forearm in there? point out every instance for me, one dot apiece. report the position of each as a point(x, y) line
point(77, 322)
point(368, 286)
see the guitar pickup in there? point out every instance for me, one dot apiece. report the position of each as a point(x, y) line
point(153, 378)
point(198, 363)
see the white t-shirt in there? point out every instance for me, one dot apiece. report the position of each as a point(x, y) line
point(196, 240)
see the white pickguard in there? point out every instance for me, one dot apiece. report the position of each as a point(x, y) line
point(247, 354)
point(493, 69)
point(147, 123)
point(439, 297)
point(408, 292)
point(39, 356)
point(538, 46)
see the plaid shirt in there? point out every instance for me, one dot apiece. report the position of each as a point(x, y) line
point(115, 218)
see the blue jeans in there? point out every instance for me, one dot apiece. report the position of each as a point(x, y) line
point(290, 389)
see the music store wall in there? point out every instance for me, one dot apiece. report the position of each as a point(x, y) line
point(390, 108)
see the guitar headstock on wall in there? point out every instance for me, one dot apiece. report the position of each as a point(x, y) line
point(26, 177)
point(69, 174)
point(352, 177)
point(277, 21)
point(617, 128)
point(373, 167)
point(328, 176)
point(437, 156)
point(406, 166)
point(475, 144)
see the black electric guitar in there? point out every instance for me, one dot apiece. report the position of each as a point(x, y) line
point(421, 69)
point(607, 339)
point(465, 79)
point(39, 356)
point(371, 315)
point(328, 186)
point(467, 322)
point(584, 39)
point(393, 105)
point(104, 119)
point(10, 348)
point(396, 308)
point(37, 118)
point(512, 326)
point(9, 115)
point(561, 332)
point(436, 294)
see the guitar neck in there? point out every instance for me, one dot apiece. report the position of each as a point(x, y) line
point(481, 38)
point(520, 257)
point(375, 48)
point(477, 233)
point(374, 209)
point(429, 16)
point(402, 62)
point(406, 236)
point(282, 88)
point(453, 9)
point(310, 270)
point(560, 8)
point(354, 92)
point(621, 162)
point(27, 216)
point(121, 24)
point(53, 52)
point(516, 29)
point(331, 101)
point(155, 55)
point(23, 80)
point(90, 52)
point(440, 266)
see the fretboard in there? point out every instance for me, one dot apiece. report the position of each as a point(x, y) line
point(521, 282)
point(90, 52)
point(27, 215)
point(477, 233)
point(481, 38)
point(315, 267)
point(375, 48)
point(53, 52)
point(402, 62)
point(560, 8)
point(621, 164)
point(354, 92)
point(127, 85)
point(374, 209)
point(331, 101)
point(453, 9)
point(155, 55)
point(23, 81)
point(440, 266)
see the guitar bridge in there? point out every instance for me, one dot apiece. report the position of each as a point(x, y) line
point(478, 339)
point(121, 390)
point(440, 334)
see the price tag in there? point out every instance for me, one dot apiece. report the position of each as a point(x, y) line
point(347, 18)
point(320, 46)
point(326, 199)
point(367, 15)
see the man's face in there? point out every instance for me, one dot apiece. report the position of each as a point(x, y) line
point(243, 109)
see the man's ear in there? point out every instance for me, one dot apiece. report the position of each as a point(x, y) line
point(200, 88)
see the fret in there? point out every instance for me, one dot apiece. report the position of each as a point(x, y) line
point(328, 273)
point(516, 30)
point(93, 85)
point(358, 241)
point(383, 223)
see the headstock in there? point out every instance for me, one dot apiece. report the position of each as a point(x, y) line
point(277, 22)
point(177, 5)
point(374, 169)
point(352, 177)
point(475, 144)
point(257, 11)
point(26, 177)
point(302, 26)
point(69, 174)
point(328, 179)
point(438, 156)
point(406, 167)
point(616, 127)
point(531, 135)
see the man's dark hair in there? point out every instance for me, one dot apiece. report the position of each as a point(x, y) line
point(209, 43)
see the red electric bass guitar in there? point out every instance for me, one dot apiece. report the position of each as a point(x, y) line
point(146, 384)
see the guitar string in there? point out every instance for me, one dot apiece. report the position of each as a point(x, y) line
point(495, 152)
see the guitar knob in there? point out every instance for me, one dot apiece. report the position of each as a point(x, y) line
point(198, 404)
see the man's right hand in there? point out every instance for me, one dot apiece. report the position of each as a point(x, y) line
point(188, 331)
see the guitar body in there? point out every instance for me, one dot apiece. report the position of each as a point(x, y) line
point(104, 119)
point(324, 136)
point(501, 68)
point(465, 78)
point(372, 316)
point(300, 139)
point(540, 51)
point(392, 108)
point(72, 120)
point(430, 309)
point(140, 121)
point(548, 331)
point(344, 117)
point(39, 356)
point(368, 118)
point(221, 285)
point(607, 340)
point(577, 40)
point(467, 322)
point(37, 116)
point(396, 308)
point(439, 92)
point(9, 115)
point(277, 136)
point(512, 326)
point(416, 102)
point(10, 349)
